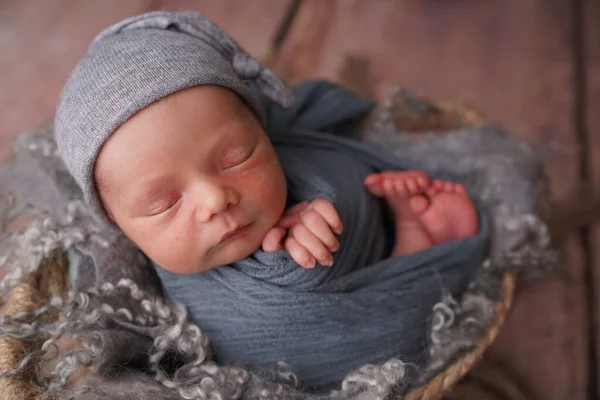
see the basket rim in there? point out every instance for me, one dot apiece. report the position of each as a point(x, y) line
point(445, 380)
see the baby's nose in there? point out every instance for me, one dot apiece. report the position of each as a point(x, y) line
point(213, 199)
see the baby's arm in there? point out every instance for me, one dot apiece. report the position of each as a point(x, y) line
point(306, 231)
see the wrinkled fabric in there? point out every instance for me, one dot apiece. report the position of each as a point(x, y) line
point(327, 321)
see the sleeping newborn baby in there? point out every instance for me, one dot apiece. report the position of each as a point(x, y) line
point(191, 208)
point(285, 244)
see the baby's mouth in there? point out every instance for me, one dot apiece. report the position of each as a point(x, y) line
point(235, 233)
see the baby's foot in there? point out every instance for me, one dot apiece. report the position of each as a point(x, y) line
point(425, 214)
point(403, 192)
point(450, 214)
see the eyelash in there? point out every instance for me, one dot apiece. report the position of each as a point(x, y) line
point(170, 207)
point(244, 160)
point(167, 209)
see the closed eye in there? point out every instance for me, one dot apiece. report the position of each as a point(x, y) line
point(166, 208)
point(242, 159)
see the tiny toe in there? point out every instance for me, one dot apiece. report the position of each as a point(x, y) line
point(460, 189)
point(449, 187)
point(431, 191)
point(438, 184)
point(400, 188)
point(422, 182)
point(418, 204)
point(375, 188)
point(388, 186)
point(412, 186)
point(372, 179)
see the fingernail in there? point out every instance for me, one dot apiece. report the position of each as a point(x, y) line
point(339, 229)
point(328, 264)
point(311, 263)
point(335, 247)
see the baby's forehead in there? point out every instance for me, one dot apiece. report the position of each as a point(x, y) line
point(187, 121)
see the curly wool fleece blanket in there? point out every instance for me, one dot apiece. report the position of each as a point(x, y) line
point(327, 321)
point(115, 307)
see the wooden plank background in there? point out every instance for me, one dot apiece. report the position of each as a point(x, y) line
point(589, 121)
point(532, 65)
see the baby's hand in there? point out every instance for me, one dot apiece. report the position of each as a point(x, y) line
point(310, 229)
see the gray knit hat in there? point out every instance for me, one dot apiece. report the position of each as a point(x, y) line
point(138, 61)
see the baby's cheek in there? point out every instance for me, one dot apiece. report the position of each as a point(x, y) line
point(178, 250)
point(265, 178)
point(251, 183)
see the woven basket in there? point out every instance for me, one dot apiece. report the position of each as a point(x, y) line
point(445, 381)
point(51, 278)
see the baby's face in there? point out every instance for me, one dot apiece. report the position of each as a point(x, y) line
point(183, 175)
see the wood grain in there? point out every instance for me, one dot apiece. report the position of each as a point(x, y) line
point(590, 87)
point(513, 61)
point(251, 23)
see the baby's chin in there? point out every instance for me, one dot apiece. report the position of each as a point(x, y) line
point(224, 256)
point(213, 257)
point(236, 251)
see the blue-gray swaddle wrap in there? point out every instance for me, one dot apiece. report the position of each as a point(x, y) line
point(326, 322)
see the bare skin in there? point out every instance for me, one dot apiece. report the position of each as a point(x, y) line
point(425, 213)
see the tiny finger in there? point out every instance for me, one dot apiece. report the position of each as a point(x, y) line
point(273, 240)
point(328, 211)
point(312, 244)
point(296, 208)
point(287, 221)
point(299, 253)
point(319, 227)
